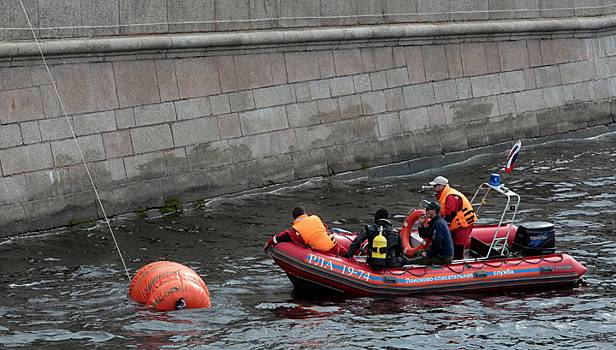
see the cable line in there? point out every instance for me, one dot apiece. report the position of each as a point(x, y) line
point(53, 83)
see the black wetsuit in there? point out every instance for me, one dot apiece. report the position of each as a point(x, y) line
point(394, 249)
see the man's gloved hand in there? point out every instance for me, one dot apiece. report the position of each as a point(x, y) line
point(347, 255)
point(270, 243)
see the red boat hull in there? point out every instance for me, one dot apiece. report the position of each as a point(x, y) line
point(305, 266)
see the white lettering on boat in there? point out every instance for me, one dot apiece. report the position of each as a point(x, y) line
point(321, 262)
point(502, 272)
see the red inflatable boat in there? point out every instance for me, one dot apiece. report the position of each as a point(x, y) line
point(501, 261)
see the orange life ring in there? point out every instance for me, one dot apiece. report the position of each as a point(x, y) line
point(405, 234)
point(162, 284)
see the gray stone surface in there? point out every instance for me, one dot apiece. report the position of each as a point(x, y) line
point(348, 62)
point(263, 120)
point(229, 12)
point(362, 83)
point(125, 118)
point(314, 136)
point(302, 92)
point(181, 11)
point(88, 88)
point(394, 99)
point(414, 119)
point(415, 64)
point(473, 59)
point(65, 152)
point(136, 83)
point(513, 55)
point(445, 90)
point(10, 136)
point(197, 77)
point(454, 61)
point(342, 86)
point(319, 89)
point(167, 83)
point(303, 114)
point(253, 71)
point(13, 189)
point(577, 72)
point(229, 126)
point(350, 106)
point(151, 138)
point(435, 62)
point(55, 129)
point(302, 66)
point(241, 101)
point(117, 144)
point(397, 77)
point(328, 110)
point(139, 12)
point(93, 123)
point(512, 81)
point(220, 104)
point(30, 132)
point(17, 78)
point(418, 95)
point(273, 96)
point(185, 109)
point(145, 166)
point(547, 76)
point(195, 131)
point(389, 124)
point(373, 102)
point(20, 105)
point(531, 100)
point(485, 85)
point(378, 81)
point(256, 146)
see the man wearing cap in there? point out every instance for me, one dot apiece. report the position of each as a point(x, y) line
point(457, 211)
point(440, 251)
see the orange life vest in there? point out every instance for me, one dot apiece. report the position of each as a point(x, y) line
point(314, 233)
point(465, 217)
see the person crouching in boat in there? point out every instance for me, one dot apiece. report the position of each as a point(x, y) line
point(458, 212)
point(308, 230)
point(387, 256)
point(440, 251)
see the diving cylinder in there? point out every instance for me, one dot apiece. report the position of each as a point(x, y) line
point(379, 250)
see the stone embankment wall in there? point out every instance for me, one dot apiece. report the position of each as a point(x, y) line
point(200, 115)
point(90, 18)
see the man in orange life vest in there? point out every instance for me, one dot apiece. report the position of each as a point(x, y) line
point(457, 211)
point(308, 230)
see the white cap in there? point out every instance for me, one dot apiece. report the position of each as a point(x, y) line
point(439, 180)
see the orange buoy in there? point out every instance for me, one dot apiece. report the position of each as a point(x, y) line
point(405, 234)
point(166, 285)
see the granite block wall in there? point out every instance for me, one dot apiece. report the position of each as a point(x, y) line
point(95, 18)
point(198, 123)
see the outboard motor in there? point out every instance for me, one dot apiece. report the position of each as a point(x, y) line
point(535, 238)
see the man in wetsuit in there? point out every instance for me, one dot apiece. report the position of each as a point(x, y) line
point(393, 257)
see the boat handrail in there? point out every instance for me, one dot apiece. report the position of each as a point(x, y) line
point(511, 207)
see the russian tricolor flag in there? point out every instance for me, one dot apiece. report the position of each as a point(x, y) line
point(512, 159)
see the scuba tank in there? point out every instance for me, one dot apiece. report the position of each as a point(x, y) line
point(378, 256)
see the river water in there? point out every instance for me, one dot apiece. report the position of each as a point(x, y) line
point(67, 288)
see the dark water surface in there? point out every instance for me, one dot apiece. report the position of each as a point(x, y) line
point(67, 289)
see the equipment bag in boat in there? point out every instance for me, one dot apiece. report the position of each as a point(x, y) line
point(535, 238)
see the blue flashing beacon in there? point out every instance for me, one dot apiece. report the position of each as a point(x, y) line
point(494, 180)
